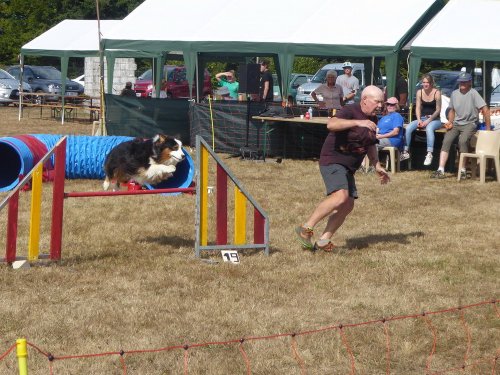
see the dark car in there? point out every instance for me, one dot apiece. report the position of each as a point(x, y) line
point(495, 97)
point(175, 85)
point(48, 80)
point(446, 81)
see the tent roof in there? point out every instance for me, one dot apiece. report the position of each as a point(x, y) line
point(323, 28)
point(72, 38)
point(464, 29)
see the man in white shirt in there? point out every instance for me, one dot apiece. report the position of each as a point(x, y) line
point(349, 83)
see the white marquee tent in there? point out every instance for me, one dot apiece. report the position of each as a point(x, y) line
point(462, 30)
point(76, 38)
point(358, 28)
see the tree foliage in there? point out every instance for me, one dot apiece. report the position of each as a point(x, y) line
point(23, 20)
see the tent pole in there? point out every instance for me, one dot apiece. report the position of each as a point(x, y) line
point(21, 64)
point(373, 70)
point(484, 82)
point(101, 72)
point(197, 81)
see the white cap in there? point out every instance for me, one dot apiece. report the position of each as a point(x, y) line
point(347, 64)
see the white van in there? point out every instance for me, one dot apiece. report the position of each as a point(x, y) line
point(304, 91)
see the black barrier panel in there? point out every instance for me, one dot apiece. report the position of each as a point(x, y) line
point(231, 129)
point(418, 151)
point(140, 117)
point(270, 138)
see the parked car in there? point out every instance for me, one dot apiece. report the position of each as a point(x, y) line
point(80, 80)
point(296, 79)
point(495, 97)
point(304, 91)
point(175, 85)
point(9, 88)
point(446, 81)
point(46, 79)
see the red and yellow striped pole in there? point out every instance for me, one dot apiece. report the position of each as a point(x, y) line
point(36, 208)
point(240, 217)
point(204, 197)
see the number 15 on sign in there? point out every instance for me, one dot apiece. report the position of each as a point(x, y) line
point(230, 256)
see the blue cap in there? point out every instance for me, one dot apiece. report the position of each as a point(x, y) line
point(464, 77)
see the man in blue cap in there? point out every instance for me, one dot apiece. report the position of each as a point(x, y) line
point(463, 116)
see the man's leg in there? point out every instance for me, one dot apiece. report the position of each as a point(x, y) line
point(337, 219)
point(331, 206)
point(449, 137)
point(463, 142)
point(443, 158)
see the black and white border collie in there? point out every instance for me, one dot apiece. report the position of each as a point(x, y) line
point(146, 161)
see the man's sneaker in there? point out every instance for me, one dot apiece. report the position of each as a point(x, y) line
point(428, 159)
point(438, 174)
point(405, 155)
point(463, 175)
point(325, 245)
point(304, 235)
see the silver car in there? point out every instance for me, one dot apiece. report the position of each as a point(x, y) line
point(495, 97)
point(304, 91)
point(9, 88)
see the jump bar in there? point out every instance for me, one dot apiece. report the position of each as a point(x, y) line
point(83, 194)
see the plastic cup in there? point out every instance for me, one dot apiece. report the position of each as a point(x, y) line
point(301, 117)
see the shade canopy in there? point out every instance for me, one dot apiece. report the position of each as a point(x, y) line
point(75, 38)
point(285, 29)
point(462, 30)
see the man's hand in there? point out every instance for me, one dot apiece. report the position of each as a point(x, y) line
point(382, 174)
point(367, 124)
point(448, 125)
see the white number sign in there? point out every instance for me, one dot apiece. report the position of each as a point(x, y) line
point(230, 256)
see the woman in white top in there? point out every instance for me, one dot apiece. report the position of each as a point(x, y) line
point(332, 93)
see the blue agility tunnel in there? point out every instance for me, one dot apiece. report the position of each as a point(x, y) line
point(85, 157)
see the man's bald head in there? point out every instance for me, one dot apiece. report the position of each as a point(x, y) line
point(372, 99)
point(372, 91)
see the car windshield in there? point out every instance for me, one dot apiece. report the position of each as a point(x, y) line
point(320, 76)
point(148, 74)
point(5, 75)
point(496, 90)
point(42, 72)
point(445, 80)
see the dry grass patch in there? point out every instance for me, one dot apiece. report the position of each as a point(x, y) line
point(129, 278)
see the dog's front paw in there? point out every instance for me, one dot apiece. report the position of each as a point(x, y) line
point(169, 169)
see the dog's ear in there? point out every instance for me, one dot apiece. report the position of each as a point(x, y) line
point(159, 138)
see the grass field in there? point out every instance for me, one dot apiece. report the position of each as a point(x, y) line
point(129, 280)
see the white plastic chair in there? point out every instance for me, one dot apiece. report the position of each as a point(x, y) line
point(393, 157)
point(487, 146)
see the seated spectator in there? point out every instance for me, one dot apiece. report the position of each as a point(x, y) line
point(331, 92)
point(428, 111)
point(465, 105)
point(127, 91)
point(228, 79)
point(390, 126)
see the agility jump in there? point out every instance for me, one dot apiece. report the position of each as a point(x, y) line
point(58, 153)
